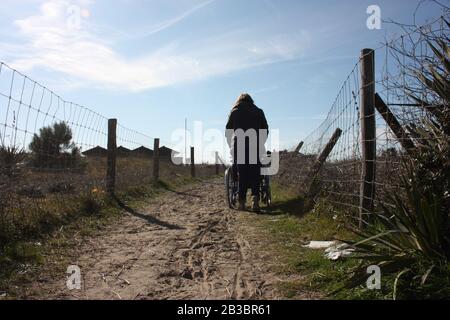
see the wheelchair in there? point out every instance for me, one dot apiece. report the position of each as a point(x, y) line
point(232, 186)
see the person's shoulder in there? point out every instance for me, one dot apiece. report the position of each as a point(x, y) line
point(261, 111)
point(234, 110)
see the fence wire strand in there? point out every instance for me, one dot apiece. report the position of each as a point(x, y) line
point(397, 63)
point(53, 157)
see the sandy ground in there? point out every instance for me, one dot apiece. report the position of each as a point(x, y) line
point(183, 245)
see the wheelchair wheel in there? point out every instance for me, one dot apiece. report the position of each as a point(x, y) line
point(230, 188)
point(266, 191)
point(269, 197)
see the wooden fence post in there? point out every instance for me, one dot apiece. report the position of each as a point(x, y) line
point(299, 147)
point(395, 126)
point(368, 133)
point(192, 162)
point(111, 160)
point(217, 164)
point(312, 190)
point(156, 160)
point(224, 167)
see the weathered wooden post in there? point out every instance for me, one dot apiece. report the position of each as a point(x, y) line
point(192, 162)
point(224, 167)
point(156, 160)
point(312, 188)
point(217, 164)
point(401, 135)
point(327, 150)
point(111, 160)
point(299, 147)
point(368, 133)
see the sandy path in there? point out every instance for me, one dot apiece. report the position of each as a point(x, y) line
point(183, 245)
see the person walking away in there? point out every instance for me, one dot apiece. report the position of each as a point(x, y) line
point(245, 125)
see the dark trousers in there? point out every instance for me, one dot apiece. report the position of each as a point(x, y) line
point(249, 178)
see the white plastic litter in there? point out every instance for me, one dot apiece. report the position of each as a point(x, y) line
point(334, 250)
point(320, 244)
point(339, 251)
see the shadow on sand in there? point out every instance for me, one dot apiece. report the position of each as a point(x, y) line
point(148, 218)
point(293, 207)
point(166, 187)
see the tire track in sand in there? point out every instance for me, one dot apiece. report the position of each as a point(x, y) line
point(182, 245)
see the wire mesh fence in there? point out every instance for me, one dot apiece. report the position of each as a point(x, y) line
point(340, 177)
point(403, 62)
point(54, 158)
point(54, 152)
point(398, 104)
point(44, 173)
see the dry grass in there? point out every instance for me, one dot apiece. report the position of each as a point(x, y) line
point(339, 182)
point(34, 202)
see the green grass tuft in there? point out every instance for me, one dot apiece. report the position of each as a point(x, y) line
point(285, 230)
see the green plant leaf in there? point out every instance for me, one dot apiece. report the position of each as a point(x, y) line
point(425, 276)
point(397, 278)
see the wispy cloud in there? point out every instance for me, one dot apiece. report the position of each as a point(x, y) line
point(83, 56)
point(265, 89)
point(170, 22)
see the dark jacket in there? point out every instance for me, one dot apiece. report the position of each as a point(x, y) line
point(245, 115)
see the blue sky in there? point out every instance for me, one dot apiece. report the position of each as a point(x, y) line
point(151, 63)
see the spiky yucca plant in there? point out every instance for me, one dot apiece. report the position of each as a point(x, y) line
point(10, 158)
point(411, 239)
point(432, 136)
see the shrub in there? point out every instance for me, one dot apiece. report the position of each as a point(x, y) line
point(53, 148)
point(10, 159)
point(93, 203)
point(62, 187)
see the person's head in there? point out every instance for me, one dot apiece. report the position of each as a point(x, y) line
point(244, 98)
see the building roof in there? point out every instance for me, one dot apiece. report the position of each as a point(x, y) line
point(165, 151)
point(95, 151)
point(123, 149)
point(143, 150)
